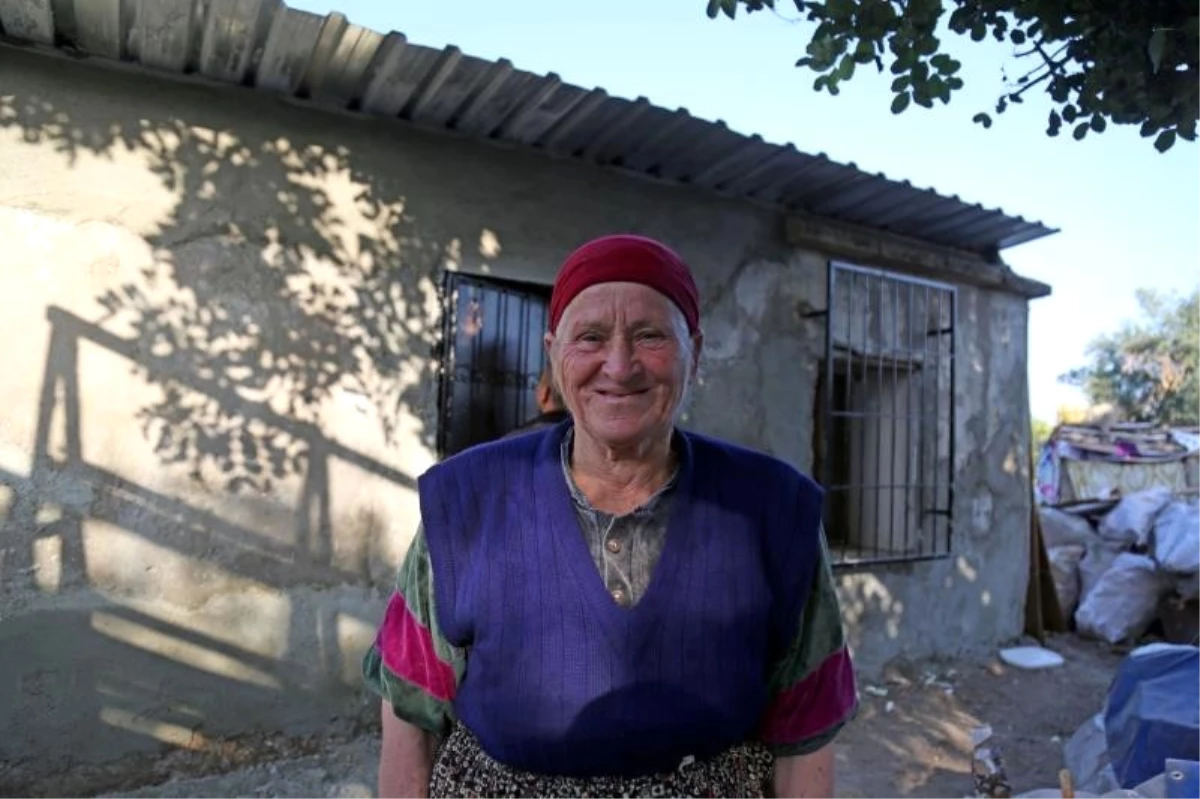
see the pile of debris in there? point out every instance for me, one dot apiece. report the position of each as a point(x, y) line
point(1079, 463)
point(1121, 525)
point(1119, 566)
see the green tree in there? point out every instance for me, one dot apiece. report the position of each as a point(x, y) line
point(1040, 431)
point(1149, 368)
point(1128, 62)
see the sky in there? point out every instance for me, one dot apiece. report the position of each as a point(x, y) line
point(1129, 216)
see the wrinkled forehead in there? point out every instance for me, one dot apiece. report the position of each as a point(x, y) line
point(621, 303)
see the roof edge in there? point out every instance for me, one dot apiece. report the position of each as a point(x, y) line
point(884, 249)
point(328, 62)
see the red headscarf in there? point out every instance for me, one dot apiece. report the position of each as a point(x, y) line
point(631, 259)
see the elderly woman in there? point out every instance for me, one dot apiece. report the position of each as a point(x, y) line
point(613, 606)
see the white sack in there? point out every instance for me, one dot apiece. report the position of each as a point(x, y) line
point(1130, 522)
point(1060, 528)
point(1096, 561)
point(1124, 602)
point(1177, 538)
point(1064, 568)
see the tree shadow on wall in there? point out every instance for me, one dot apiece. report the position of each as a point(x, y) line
point(283, 275)
point(286, 278)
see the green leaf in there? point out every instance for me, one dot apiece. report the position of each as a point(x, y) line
point(1069, 113)
point(978, 32)
point(900, 103)
point(1017, 36)
point(954, 84)
point(1154, 48)
point(804, 62)
point(982, 119)
point(845, 70)
point(926, 45)
point(1081, 130)
point(864, 51)
point(959, 19)
point(1164, 141)
point(1098, 123)
point(901, 83)
point(1055, 124)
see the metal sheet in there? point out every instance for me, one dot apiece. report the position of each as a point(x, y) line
point(99, 27)
point(229, 37)
point(289, 48)
point(31, 20)
point(332, 62)
point(162, 32)
point(344, 82)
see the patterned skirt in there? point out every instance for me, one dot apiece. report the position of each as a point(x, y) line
point(462, 769)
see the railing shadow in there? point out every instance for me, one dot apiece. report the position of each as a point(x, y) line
point(141, 679)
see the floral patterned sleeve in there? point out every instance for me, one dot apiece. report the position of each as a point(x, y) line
point(812, 685)
point(410, 664)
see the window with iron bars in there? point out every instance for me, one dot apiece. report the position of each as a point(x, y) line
point(492, 357)
point(885, 417)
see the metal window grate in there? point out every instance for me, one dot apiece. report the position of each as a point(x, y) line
point(886, 415)
point(492, 357)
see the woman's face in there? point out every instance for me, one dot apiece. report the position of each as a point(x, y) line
point(623, 360)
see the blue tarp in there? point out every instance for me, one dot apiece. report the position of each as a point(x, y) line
point(1153, 712)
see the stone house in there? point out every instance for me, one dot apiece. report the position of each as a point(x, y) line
point(262, 268)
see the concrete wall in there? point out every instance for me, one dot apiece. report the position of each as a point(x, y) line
point(219, 313)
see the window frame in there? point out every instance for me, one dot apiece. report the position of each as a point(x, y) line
point(447, 369)
point(855, 555)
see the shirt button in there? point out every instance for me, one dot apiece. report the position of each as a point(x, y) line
point(613, 546)
point(618, 596)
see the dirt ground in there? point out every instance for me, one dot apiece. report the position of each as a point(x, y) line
point(911, 737)
point(915, 741)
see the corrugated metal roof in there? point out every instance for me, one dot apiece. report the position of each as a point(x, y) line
point(329, 61)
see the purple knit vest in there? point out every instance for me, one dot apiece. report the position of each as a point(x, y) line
point(562, 680)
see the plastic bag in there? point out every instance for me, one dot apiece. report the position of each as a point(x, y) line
point(1188, 587)
point(1096, 561)
point(1177, 538)
point(1060, 528)
point(1124, 602)
point(1153, 711)
point(1064, 569)
point(1130, 522)
point(1085, 754)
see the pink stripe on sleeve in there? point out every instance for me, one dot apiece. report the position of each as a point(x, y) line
point(818, 702)
point(408, 651)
